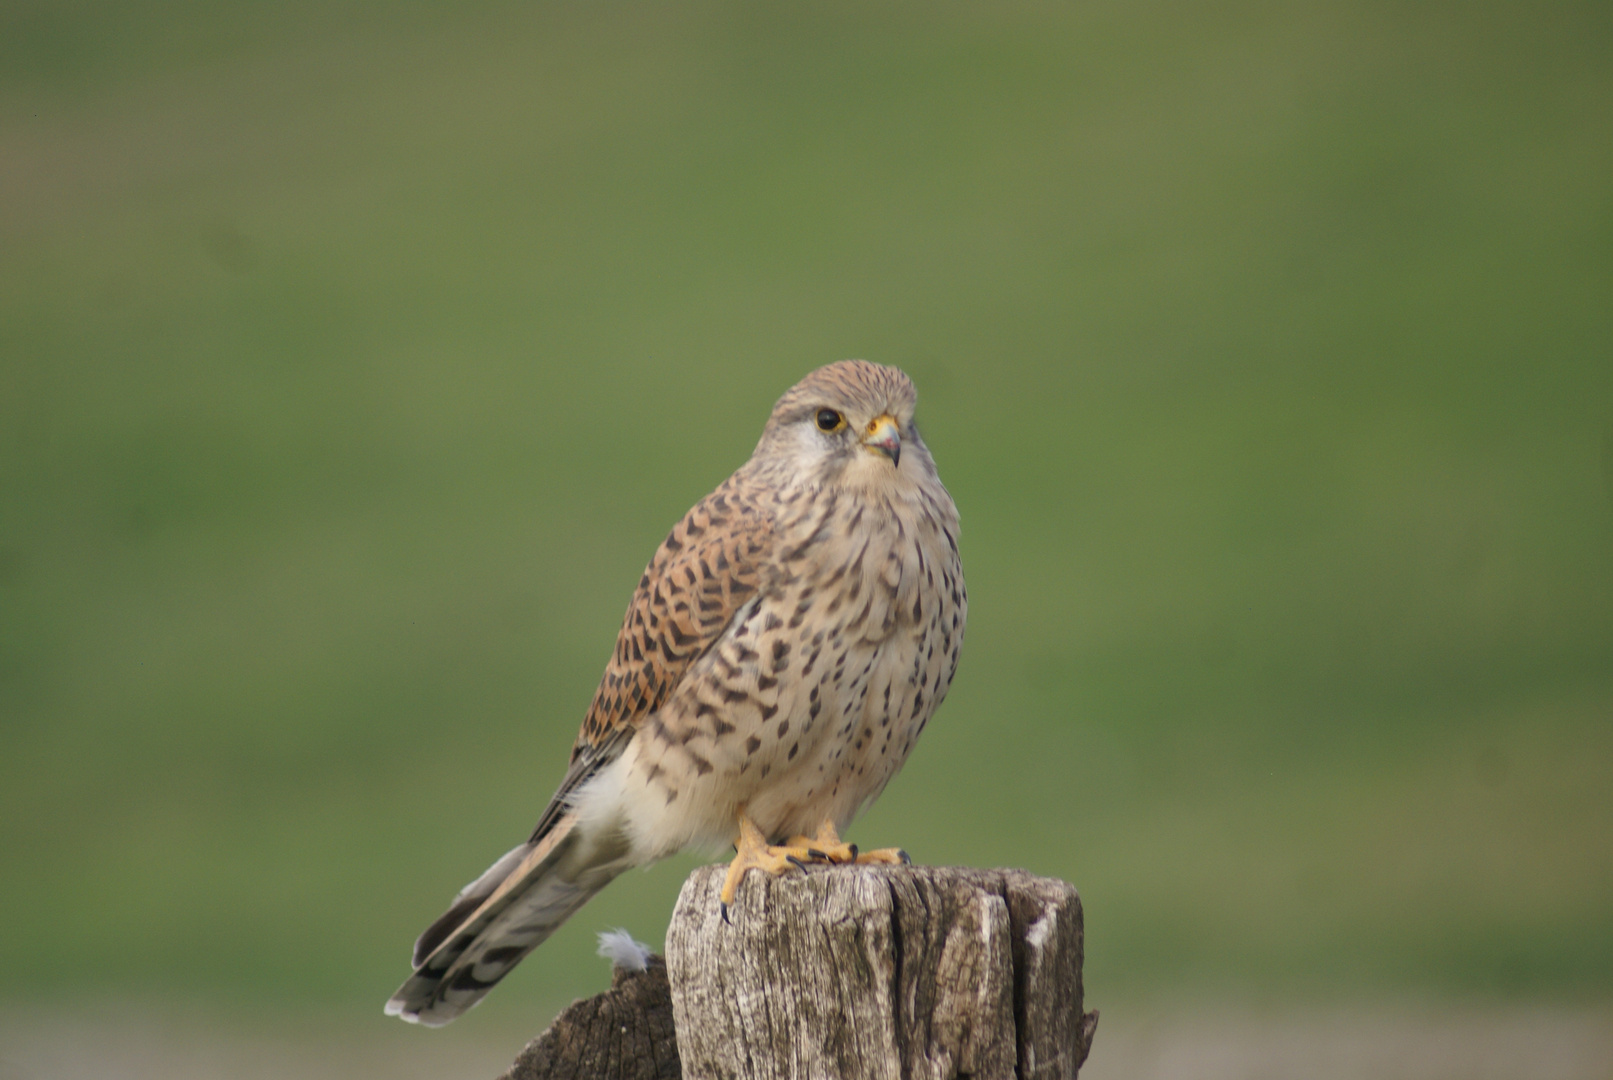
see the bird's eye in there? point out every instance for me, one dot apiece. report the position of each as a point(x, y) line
point(829, 420)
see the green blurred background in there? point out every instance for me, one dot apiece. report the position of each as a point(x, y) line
point(354, 358)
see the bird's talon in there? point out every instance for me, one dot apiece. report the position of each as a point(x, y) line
point(853, 852)
point(816, 855)
point(907, 860)
point(799, 865)
point(723, 907)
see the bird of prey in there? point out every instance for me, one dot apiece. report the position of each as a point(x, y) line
point(785, 647)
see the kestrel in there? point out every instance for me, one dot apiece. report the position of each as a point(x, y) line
point(783, 650)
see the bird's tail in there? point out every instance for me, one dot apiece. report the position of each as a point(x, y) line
point(499, 918)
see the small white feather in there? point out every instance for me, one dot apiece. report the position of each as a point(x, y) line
point(623, 952)
point(1039, 930)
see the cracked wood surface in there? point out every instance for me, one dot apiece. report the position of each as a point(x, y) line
point(880, 972)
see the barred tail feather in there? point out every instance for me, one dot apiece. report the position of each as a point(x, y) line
point(499, 918)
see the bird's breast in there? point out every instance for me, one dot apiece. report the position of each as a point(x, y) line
point(813, 698)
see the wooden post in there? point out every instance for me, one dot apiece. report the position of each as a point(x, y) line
point(879, 972)
point(844, 973)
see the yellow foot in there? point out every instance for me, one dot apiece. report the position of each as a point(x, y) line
point(826, 847)
point(893, 856)
point(753, 850)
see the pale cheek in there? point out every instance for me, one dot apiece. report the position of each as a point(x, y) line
point(808, 449)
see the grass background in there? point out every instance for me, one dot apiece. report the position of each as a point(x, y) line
point(354, 357)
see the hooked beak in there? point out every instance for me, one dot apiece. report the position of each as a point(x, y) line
point(885, 436)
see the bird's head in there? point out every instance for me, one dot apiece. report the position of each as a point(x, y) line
point(847, 425)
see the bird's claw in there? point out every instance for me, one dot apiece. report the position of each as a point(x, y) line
point(886, 857)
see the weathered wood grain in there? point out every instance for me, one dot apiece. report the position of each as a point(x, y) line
point(843, 972)
point(879, 972)
point(623, 1034)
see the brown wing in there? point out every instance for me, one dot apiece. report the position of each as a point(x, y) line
point(710, 564)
